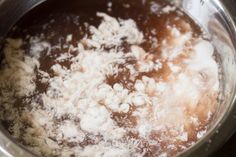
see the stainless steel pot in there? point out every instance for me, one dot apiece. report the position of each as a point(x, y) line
point(216, 17)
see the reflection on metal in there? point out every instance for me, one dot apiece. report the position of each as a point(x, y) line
point(12, 10)
point(1, 1)
point(217, 22)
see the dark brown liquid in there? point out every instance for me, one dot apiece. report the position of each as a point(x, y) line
point(55, 19)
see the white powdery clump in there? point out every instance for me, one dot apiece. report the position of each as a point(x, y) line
point(112, 32)
point(18, 73)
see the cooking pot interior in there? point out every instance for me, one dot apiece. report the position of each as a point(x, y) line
point(213, 17)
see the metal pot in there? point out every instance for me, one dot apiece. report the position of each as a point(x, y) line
point(216, 17)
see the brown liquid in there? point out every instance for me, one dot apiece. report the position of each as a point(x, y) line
point(56, 19)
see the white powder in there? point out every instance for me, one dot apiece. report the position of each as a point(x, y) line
point(37, 47)
point(111, 32)
point(105, 151)
point(168, 9)
point(163, 155)
point(11, 75)
point(201, 134)
point(69, 38)
point(96, 120)
point(80, 104)
point(178, 45)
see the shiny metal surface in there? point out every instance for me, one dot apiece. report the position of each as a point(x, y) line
point(216, 17)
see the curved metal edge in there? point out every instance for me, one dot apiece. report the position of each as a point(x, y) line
point(11, 12)
point(226, 126)
point(210, 146)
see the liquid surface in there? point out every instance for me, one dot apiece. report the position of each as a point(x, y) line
point(116, 78)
